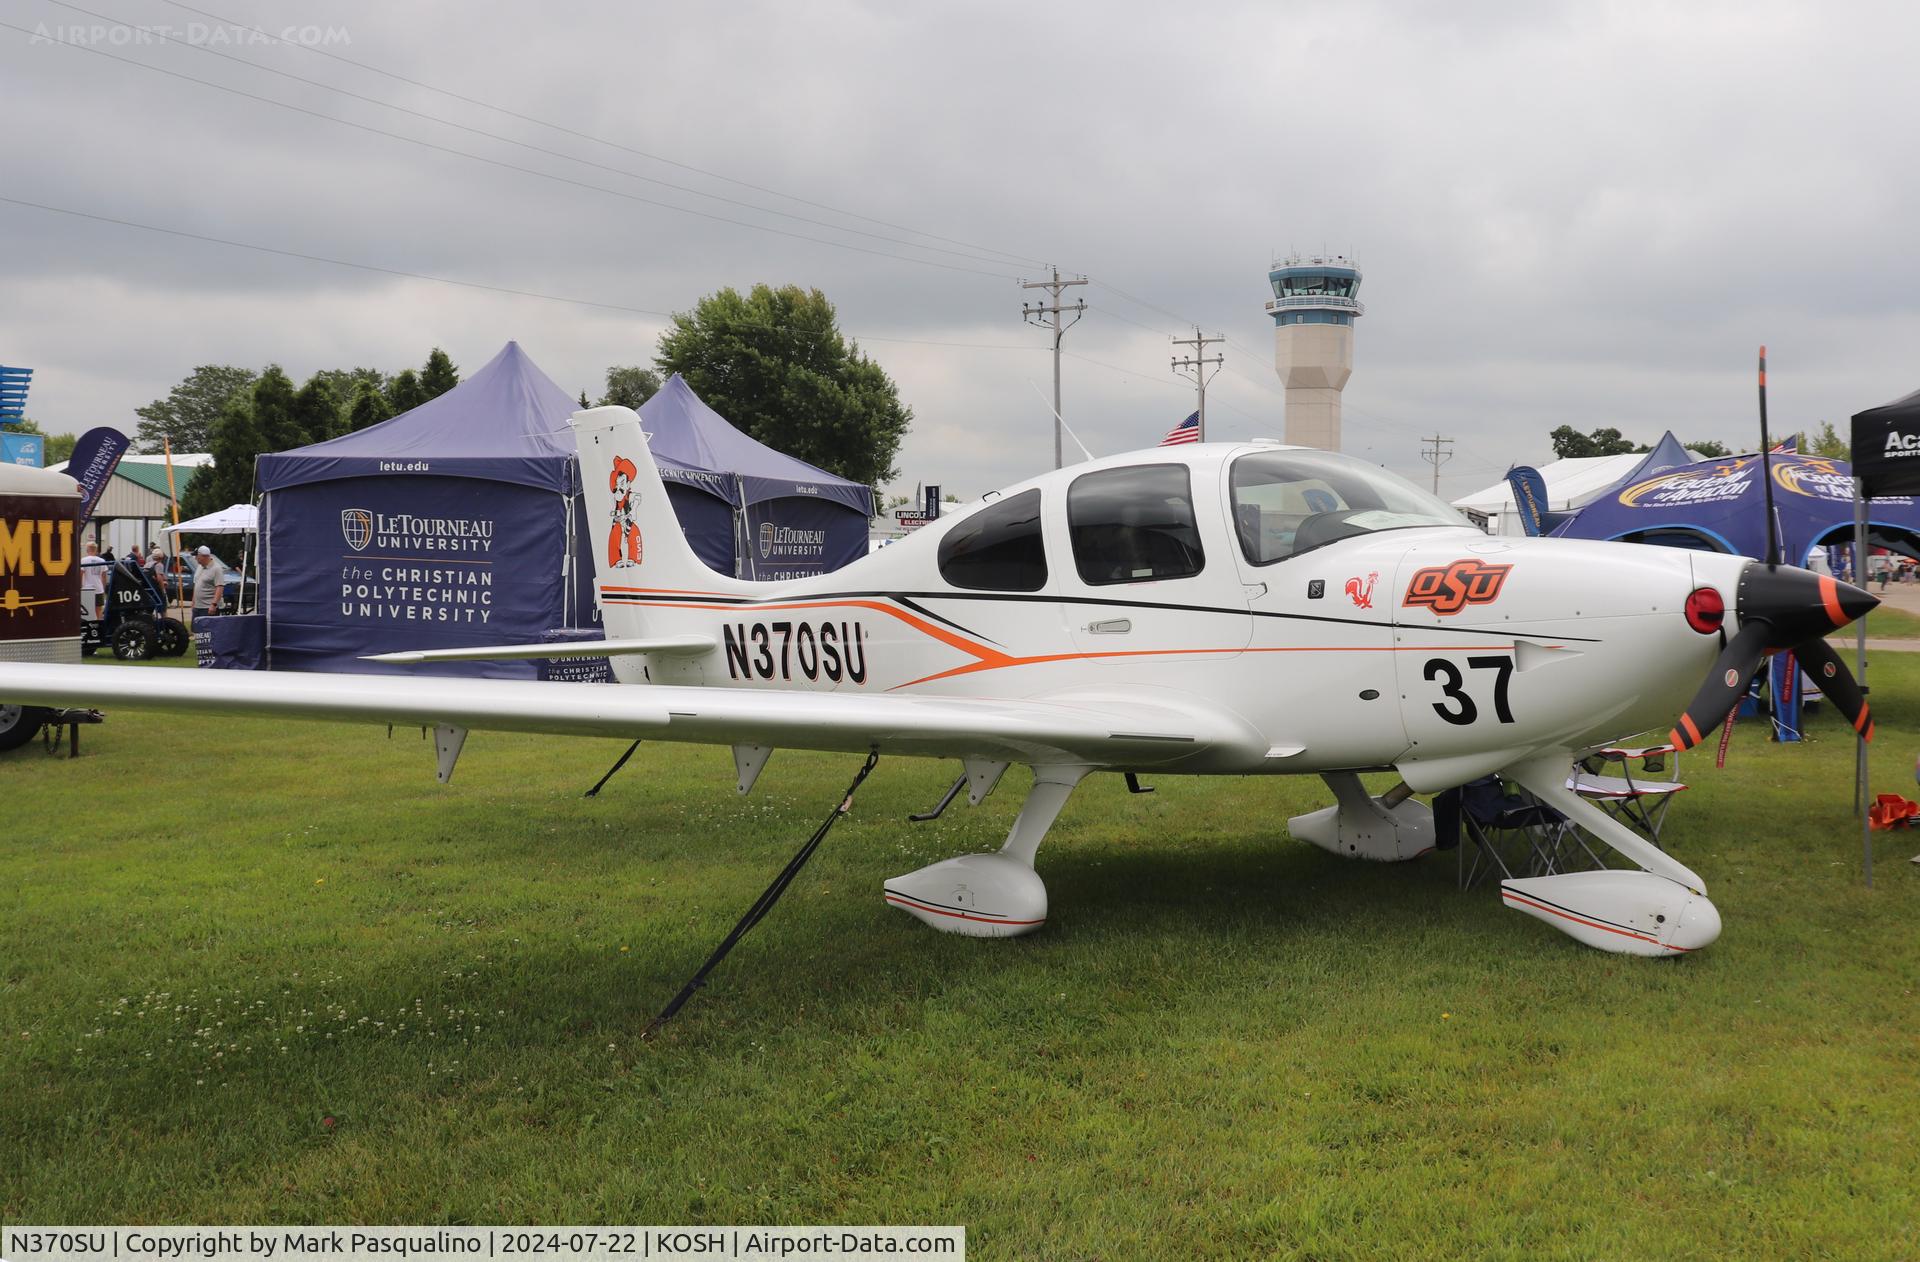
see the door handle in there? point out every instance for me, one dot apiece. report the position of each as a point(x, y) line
point(1111, 626)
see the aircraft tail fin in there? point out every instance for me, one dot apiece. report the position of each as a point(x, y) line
point(640, 552)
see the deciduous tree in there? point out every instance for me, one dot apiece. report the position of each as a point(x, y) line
point(628, 386)
point(404, 392)
point(237, 440)
point(369, 408)
point(1571, 444)
point(187, 414)
point(273, 411)
point(439, 376)
point(774, 363)
point(1825, 441)
point(316, 413)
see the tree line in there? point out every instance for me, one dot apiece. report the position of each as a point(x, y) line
point(772, 361)
point(1569, 443)
point(235, 414)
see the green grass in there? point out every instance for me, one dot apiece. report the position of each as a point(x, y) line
point(1888, 623)
point(1224, 1043)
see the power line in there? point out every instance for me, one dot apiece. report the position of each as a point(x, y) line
point(509, 166)
point(1119, 292)
point(469, 284)
point(1048, 316)
point(1436, 455)
point(541, 149)
point(1194, 368)
point(587, 136)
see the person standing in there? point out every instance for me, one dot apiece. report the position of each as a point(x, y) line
point(157, 569)
point(207, 582)
point(93, 581)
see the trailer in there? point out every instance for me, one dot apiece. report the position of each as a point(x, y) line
point(40, 616)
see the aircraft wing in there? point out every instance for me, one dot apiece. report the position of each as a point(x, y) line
point(1143, 727)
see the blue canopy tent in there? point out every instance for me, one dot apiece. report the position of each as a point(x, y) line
point(1720, 506)
point(457, 523)
point(748, 510)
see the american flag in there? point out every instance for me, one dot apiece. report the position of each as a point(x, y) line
point(1789, 446)
point(1187, 431)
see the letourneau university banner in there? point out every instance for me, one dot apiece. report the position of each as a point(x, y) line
point(798, 538)
point(1529, 497)
point(96, 454)
point(375, 565)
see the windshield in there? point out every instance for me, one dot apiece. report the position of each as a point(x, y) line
point(1289, 502)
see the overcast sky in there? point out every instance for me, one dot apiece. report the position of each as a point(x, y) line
point(1585, 213)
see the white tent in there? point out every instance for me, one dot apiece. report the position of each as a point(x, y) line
point(235, 519)
point(1571, 483)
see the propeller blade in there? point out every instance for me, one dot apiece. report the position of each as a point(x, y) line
point(1819, 660)
point(1726, 684)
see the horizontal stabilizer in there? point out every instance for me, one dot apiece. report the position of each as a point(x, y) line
point(666, 645)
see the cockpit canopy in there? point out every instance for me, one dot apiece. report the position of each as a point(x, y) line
point(1137, 523)
point(1292, 501)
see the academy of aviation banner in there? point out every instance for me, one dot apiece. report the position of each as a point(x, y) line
point(377, 565)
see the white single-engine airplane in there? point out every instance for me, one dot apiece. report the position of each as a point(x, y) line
point(1216, 609)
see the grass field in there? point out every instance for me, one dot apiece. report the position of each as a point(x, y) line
point(321, 987)
point(1889, 623)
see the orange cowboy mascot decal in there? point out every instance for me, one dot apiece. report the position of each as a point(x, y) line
point(623, 541)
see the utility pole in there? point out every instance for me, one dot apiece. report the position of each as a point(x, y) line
point(1048, 316)
point(1194, 368)
point(1436, 455)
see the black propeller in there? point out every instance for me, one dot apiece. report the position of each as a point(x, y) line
point(1781, 607)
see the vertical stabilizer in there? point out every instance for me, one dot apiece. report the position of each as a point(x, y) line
point(638, 547)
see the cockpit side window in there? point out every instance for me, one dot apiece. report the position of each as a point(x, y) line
point(1293, 501)
point(997, 549)
point(1134, 525)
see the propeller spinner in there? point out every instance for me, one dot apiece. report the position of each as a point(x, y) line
point(1779, 607)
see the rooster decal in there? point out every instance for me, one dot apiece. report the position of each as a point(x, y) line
point(1362, 596)
point(623, 542)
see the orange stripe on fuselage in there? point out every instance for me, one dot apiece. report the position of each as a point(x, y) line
point(1044, 659)
point(987, 658)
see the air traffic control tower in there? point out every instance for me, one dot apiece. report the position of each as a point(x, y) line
point(1313, 309)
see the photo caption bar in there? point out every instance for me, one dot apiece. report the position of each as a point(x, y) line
point(544, 1244)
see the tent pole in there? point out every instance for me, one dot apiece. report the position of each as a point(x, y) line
point(1860, 775)
point(742, 543)
point(566, 565)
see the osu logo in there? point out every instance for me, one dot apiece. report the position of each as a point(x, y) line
point(357, 525)
point(1448, 589)
point(766, 540)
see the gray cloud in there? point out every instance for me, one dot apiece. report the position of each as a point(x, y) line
point(1583, 213)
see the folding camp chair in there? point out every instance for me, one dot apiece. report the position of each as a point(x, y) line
point(1511, 834)
point(1637, 800)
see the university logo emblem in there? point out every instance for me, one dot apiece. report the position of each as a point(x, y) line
point(357, 525)
point(766, 540)
point(1447, 589)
